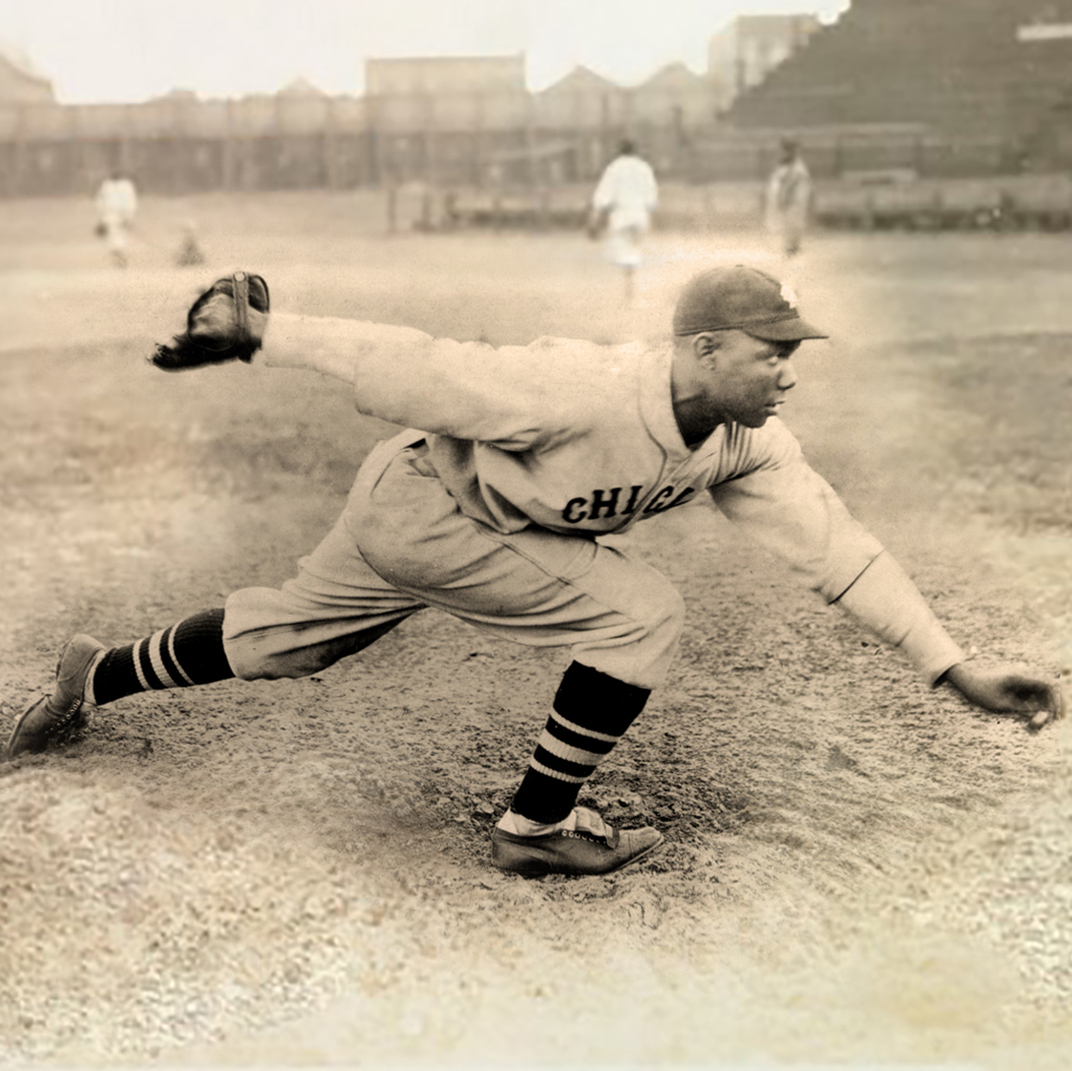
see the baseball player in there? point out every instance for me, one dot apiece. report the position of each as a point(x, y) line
point(788, 199)
point(491, 507)
point(623, 201)
point(117, 203)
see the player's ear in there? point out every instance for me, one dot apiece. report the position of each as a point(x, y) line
point(705, 346)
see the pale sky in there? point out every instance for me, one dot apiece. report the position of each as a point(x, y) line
point(114, 51)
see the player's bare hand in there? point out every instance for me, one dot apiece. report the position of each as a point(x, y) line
point(1005, 690)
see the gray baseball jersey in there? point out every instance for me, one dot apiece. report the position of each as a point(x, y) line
point(581, 439)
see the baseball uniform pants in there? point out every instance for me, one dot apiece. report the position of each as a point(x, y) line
point(402, 545)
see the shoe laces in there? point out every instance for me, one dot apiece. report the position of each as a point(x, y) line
point(61, 719)
point(584, 834)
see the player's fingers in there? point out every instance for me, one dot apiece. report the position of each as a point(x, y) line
point(1030, 693)
point(1041, 719)
point(1052, 709)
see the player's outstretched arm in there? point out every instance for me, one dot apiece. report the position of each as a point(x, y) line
point(885, 599)
point(334, 347)
point(398, 374)
point(231, 321)
point(1007, 690)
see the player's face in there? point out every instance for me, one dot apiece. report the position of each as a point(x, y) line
point(750, 377)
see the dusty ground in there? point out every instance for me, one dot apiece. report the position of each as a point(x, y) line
point(856, 869)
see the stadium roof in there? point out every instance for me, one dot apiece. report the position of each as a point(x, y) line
point(580, 78)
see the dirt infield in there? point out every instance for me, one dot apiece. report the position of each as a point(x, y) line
point(856, 868)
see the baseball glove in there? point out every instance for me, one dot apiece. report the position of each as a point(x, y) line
point(226, 323)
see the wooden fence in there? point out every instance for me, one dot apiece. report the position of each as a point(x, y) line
point(273, 143)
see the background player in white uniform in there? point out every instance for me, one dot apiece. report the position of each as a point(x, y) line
point(789, 199)
point(490, 508)
point(624, 200)
point(117, 204)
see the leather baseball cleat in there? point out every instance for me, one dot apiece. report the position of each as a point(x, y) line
point(570, 851)
point(52, 720)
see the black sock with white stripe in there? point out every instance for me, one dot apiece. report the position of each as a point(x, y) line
point(190, 652)
point(591, 713)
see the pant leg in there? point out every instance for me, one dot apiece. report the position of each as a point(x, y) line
point(402, 544)
point(534, 587)
point(336, 605)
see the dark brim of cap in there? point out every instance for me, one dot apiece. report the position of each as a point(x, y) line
point(792, 330)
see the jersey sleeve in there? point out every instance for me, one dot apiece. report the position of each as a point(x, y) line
point(792, 511)
point(465, 390)
point(788, 508)
point(885, 598)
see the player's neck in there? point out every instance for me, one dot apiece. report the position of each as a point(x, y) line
point(694, 414)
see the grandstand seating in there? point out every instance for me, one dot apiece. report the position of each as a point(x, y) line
point(959, 66)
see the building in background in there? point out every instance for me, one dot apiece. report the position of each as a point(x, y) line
point(891, 90)
point(582, 99)
point(432, 75)
point(746, 51)
point(439, 118)
point(19, 82)
point(677, 98)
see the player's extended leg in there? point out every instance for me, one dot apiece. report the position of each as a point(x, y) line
point(90, 675)
point(311, 623)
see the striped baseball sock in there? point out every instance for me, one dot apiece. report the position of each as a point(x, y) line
point(591, 713)
point(190, 652)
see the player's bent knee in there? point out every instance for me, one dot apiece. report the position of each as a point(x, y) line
point(662, 611)
point(641, 652)
point(665, 626)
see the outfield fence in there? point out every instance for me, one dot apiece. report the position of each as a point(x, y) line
point(185, 145)
point(877, 201)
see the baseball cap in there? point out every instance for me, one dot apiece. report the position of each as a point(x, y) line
point(744, 298)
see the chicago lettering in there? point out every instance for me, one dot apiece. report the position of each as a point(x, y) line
point(604, 504)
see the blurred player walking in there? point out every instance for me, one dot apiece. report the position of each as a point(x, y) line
point(117, 203)
point(788, 200)
point(623, 201)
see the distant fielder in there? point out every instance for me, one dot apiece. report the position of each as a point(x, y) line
point(189, 254)
point(789, 200)
point(117, 204)
point(491, 508)
point(623, 202)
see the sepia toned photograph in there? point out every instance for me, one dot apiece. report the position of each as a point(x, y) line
point(536, 534)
